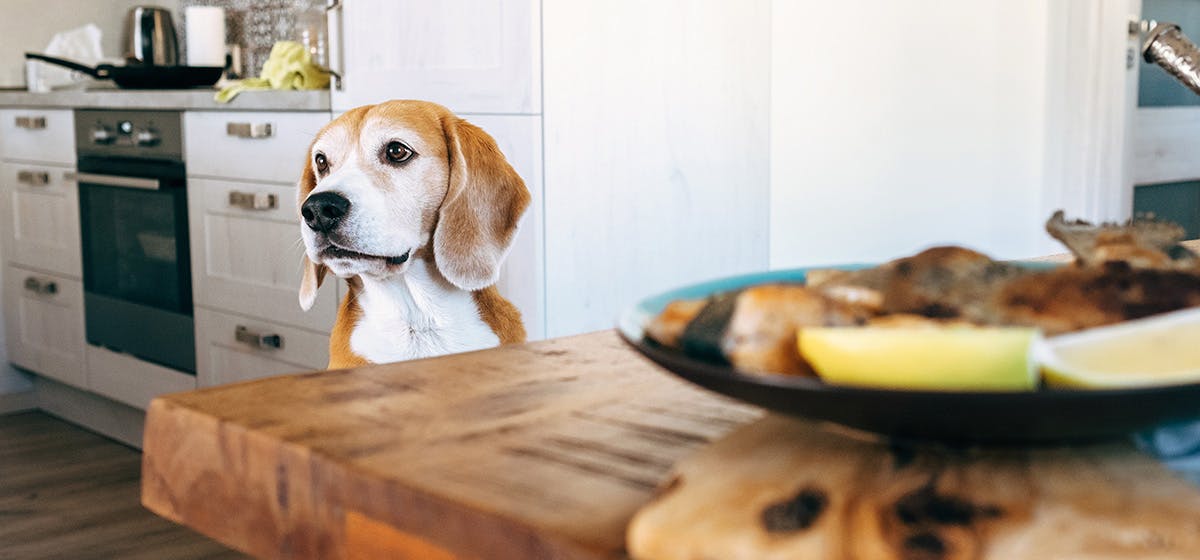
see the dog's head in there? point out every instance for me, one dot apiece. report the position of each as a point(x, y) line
point(386, 182)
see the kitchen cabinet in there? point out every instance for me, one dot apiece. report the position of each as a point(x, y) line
point(249, 146)
point(43, 315)
point(40, 210)
point(520, 139)
point(473, 56)
point(246, 249)
point(247, 252)
point(38, 135)
point(232, 348)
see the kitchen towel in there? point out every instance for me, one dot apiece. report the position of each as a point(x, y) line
point(289, 67)
point(205, 35)
point(81, 44)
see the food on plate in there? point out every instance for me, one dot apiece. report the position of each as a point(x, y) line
point(1069, 299)
point(1120, 273)
point(675, 317)
point(1140, 244)
point(761, 332)
point(923, 357)
point(1160, 350)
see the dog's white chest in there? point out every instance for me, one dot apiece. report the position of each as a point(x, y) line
point(416, 316)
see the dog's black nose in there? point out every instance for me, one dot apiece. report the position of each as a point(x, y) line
point(323, 211)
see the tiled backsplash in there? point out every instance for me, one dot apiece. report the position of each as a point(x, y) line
point(256, 25)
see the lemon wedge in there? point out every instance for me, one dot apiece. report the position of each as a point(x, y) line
point(1159, 350)
point(940, 359)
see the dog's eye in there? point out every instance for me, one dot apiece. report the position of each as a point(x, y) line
point(322, 162)
point(397, 152)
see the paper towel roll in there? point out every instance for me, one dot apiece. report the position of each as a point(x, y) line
point(205, 35)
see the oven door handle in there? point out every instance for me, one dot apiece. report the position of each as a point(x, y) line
point(114, 180)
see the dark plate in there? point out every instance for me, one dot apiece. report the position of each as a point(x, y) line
point(1047, 415)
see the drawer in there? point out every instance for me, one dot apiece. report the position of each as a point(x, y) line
point(43, 320)
point(43, 135)
point(126, 379)
point(257, 146)
point(40, 211)
point(224, 357)
point(248, 261)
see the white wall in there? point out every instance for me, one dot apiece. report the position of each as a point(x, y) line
point(656, 171)
point(897, 125)
point(28, 25)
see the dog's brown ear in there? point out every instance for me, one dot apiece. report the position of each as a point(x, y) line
point(313, 274)
point(484, 203)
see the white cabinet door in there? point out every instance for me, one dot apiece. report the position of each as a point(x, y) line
point(473, 56)
point(44, 324)
point(40, 211)
point(248, 260)
point(222, 356)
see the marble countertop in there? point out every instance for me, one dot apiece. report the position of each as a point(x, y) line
point(191, 100)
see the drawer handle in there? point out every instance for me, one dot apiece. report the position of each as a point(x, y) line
point(253, 201)
point(257, 340)
point(36, 286)
point(33, 178)
point(248, 130)
point(31, 123)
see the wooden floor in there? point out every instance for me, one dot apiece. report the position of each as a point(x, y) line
point(68, 493)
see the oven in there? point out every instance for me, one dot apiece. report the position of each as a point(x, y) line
point(134, 228)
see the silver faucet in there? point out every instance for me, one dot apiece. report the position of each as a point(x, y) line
point(1166, 46)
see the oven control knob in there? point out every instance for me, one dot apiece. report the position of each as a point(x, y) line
point(102, 135)
point(146, 137)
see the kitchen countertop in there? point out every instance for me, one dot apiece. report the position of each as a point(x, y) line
point(190, 100)
point(547, 450)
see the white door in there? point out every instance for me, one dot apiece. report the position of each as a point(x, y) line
point(473, 56)
point(40, 210)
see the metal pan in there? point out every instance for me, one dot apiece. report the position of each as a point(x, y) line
point(142, 76)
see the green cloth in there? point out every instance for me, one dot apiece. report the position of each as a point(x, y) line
point(289, 67)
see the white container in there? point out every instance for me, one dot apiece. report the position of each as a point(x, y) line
point(204, 34)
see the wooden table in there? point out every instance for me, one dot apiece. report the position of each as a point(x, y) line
point(547, 450)
point(543, 450)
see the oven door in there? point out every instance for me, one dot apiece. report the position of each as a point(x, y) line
point(136, 265)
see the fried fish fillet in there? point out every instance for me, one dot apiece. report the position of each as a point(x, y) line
point(941, 282)
point(761, 335)
point(1139, 243)
point(667, 327)
point(1074, 298)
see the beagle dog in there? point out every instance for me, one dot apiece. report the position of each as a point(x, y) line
point(416, 208)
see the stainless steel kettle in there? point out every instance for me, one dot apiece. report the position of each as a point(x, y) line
point(150, 37)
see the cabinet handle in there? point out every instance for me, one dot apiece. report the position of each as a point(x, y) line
point(36, 286)
point(33, 178)
point(31, 123)
point(334, 33)
point(253, 201)
point(257, 340)
point(248, 130)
